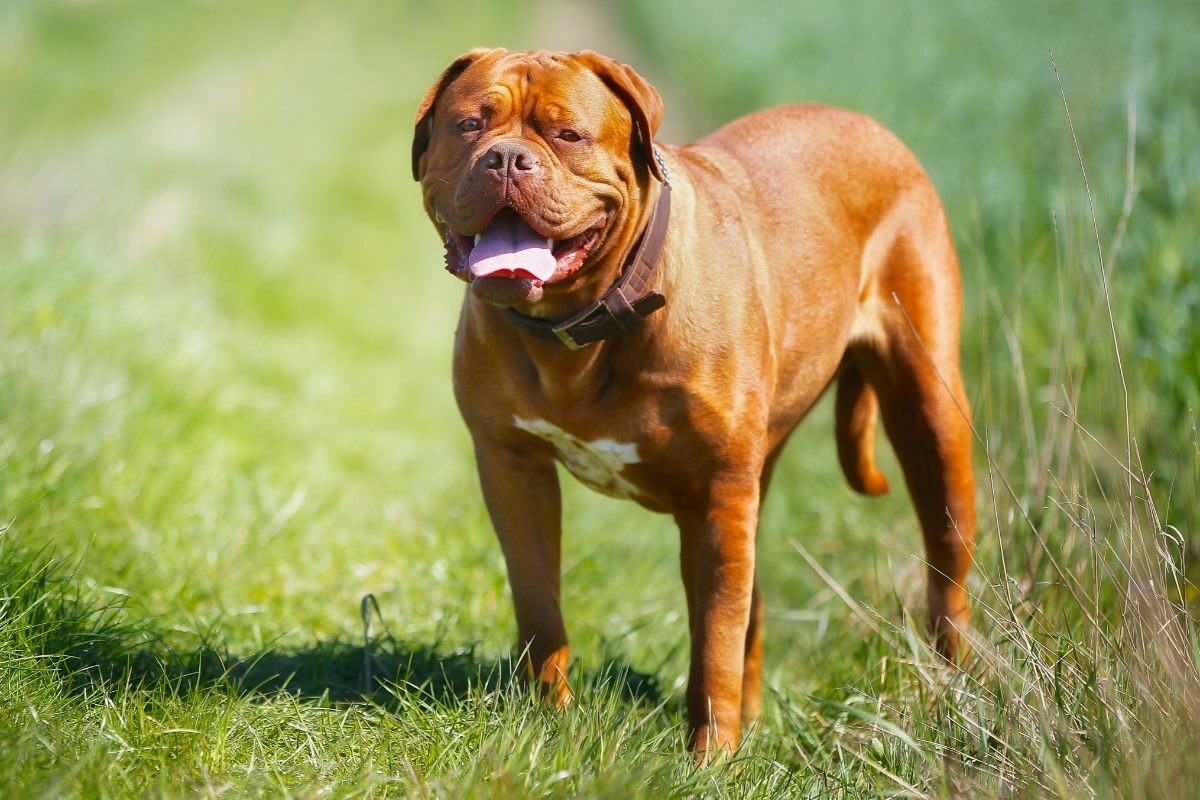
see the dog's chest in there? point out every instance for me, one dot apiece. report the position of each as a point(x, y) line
point(598, 463)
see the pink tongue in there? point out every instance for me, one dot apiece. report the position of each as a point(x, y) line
point(510, 245)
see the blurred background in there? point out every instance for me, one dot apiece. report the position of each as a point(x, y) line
point(225, 327)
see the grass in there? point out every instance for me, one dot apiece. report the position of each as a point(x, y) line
point(225, 419)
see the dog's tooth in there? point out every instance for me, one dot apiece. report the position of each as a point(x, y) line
point(478, 236)
point(550, 243)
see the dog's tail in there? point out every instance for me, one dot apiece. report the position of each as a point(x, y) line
point(857, 409)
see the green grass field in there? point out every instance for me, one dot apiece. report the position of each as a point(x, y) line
point(226, 418)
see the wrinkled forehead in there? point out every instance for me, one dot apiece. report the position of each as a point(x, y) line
point(534, 84)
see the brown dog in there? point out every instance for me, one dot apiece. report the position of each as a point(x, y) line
point(791, 247)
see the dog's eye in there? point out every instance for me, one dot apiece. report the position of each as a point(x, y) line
point(468, 125)
point(568, 135)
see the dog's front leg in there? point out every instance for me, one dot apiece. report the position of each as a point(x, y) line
point(522, 495)
point(717, 559)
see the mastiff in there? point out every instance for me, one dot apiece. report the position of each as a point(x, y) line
point(659, 319)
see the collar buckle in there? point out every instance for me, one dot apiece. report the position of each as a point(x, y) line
point(562, 331)
point(564, 336)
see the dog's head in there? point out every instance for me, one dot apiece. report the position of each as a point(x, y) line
point(532, 165)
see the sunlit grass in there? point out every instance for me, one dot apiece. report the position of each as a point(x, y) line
point(225, 418)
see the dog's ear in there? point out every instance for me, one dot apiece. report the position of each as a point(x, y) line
point(423, 131)
point(643, 101)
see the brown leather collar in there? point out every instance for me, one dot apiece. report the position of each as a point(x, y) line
point(626, 303)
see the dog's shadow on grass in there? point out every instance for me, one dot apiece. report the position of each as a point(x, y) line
point(93, 647)
point(383, 671)
point(44, 612)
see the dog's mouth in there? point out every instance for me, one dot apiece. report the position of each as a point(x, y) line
point(510, 249)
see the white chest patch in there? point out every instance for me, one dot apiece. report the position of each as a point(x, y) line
point(598, 464)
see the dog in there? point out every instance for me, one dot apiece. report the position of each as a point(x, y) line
point(659, 319)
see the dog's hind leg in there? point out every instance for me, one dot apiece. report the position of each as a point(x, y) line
point(914, 370)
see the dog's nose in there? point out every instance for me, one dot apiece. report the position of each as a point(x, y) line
point(511, 159)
